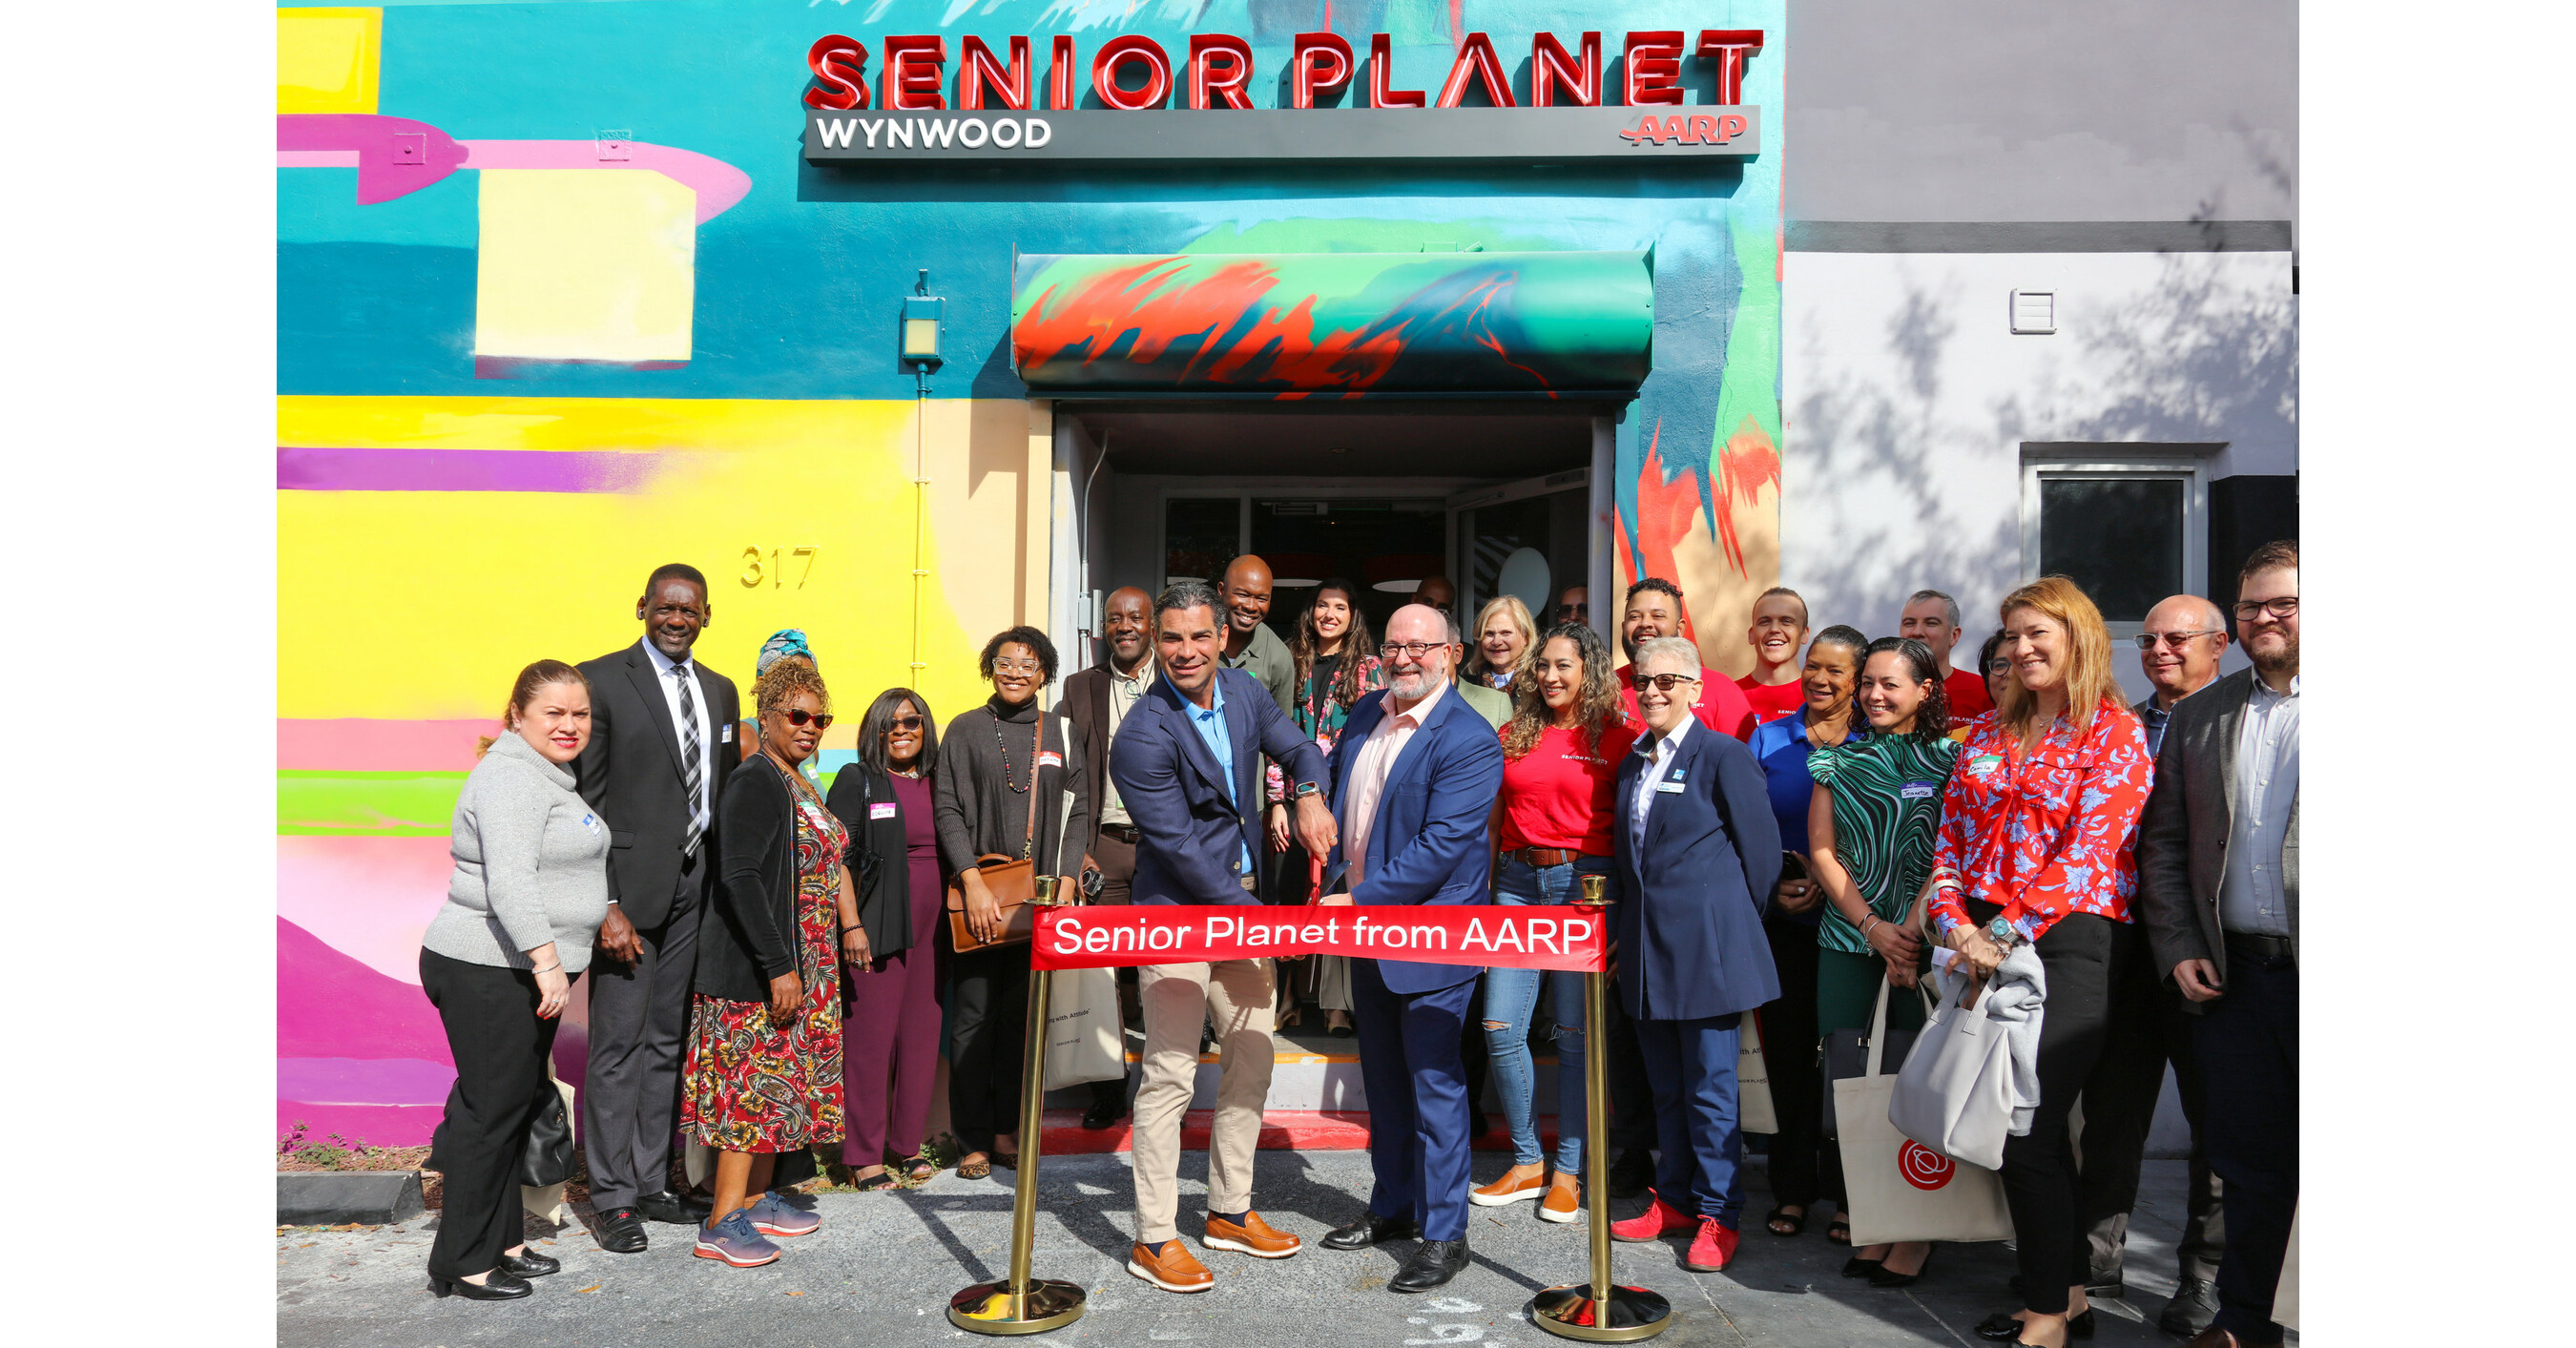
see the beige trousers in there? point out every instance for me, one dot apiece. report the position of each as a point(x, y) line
point(1236, 994)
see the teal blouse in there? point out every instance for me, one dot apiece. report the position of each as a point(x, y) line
point(1886, 794)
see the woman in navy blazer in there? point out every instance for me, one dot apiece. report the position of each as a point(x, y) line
point(1688, 890)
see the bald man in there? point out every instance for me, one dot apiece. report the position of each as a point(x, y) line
point(1437, 593)
point(1250, 645)
point(2179, 646)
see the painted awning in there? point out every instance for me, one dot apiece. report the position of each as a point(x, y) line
point(1333, 324)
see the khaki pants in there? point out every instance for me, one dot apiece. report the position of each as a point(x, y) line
point(1237, 995)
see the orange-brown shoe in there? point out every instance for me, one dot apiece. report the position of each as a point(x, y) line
point(1254, 1237)
point(1174, 1270)
point(1560, 1205)
point(1508, 1190)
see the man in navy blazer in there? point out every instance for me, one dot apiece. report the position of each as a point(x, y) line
point(1414, 778)
point(1696, 852)
point(1187, 761)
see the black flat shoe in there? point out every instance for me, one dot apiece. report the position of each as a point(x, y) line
point(530, 1264)
point(621, 1231)
point(1369, 1231)
point(2003, 1328)
point(1433, 1264)
point(1103, 1114)
point(674, 1209)
point(1883, 1276)
point(499, 1285)
point(1857, 1267)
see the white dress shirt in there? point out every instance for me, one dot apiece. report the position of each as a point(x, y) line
point(1125, 691)
point(1658, 759)
point(669, 674)
point(1377, 756)
point(2250, 895)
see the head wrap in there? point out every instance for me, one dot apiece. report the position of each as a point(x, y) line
point(782, 643)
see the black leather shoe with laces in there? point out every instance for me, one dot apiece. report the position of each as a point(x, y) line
point(1369, 1231)
point(1433, 1264)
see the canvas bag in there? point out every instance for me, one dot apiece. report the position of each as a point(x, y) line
point(1899, 1189)
point(1083, 1040)
point(1955, 1092)
point(1754, 1112)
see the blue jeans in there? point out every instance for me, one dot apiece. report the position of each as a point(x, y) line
point(1511, 996)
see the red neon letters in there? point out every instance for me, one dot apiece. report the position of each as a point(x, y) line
point(1320, 64)
point(1550, 67)
point(912, 72)
point(1730, 48)
point(977, 71)
point(1141, 49)
point(1382, 93)
point(1476, 60)
point(1219, 67)
point(1061, 73)
point(838, 64)
point(1654, 67)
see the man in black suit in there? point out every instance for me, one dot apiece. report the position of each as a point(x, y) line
point(661, 743)
point(1098, 700)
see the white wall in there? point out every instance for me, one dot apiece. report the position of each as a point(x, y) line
point(1907, 397)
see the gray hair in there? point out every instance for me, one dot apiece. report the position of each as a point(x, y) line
point(1456, 637)
point(1949, 606)
point(1187, 594)
point(1670, 648)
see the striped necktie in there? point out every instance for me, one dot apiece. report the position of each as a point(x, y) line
point(692, 775)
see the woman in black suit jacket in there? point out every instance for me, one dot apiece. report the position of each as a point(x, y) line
point(889, 961)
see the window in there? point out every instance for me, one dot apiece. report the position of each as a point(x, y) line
point(2131, 529)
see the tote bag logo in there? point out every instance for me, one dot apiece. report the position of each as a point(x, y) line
point(1923, 1167)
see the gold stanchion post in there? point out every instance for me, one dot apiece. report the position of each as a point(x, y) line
point(1587, 1311)
point(1021, 1303)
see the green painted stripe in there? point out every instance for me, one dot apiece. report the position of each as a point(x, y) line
point(364, 804)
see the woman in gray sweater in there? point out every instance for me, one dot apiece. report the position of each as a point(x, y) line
point(523, 906)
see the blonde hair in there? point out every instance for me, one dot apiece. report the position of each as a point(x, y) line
point(2091, 682)
point(1520, 615)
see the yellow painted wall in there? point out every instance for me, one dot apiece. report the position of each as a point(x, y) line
point(327, 59)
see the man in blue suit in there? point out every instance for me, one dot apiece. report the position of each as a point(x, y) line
point(1187, 761)
point(1414, 777)
point(1696, 854)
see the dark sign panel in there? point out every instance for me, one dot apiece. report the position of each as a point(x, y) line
point(1638, 135)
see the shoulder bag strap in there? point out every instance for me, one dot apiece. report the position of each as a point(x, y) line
point(1037, 746)
point(1878, 1028)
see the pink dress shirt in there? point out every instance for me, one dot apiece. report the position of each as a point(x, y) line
point(1368, 774)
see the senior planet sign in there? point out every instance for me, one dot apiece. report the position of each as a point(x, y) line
point(1555, 937)
point(999, 113)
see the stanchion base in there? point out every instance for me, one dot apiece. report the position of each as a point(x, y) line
point(1632, 1313)
point(990, 1307)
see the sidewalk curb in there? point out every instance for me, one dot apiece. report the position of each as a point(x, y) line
point(336, 1197)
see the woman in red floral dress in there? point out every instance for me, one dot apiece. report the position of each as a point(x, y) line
point(763, 1074)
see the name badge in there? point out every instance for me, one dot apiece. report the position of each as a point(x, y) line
point(726, 737)
point(1915, 791)
point(1983, 764)
point(881, 810)
point(1050, 759)
point(1674, 788)
point(591, 822)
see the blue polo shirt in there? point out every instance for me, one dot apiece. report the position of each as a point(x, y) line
point(1220, 742)
point(1781, 747)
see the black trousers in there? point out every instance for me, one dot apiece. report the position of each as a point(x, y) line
point(2082, 957)
point(1789, 1037)
point(1632, 1095)
point(2148, 1029)
point(639, 1029)
point(2248, 1040)
point(987, 1042)
point(500, 1048)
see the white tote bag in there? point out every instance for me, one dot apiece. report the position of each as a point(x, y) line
point(1753, 1109)
point(1955, 1094)
point(1082, 1041)
point(1899, 1189)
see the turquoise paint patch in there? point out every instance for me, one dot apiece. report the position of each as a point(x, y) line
point(320, 205)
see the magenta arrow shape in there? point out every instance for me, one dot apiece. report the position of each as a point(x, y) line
point(396, 155)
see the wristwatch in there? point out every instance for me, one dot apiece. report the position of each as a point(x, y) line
point(2002, 933)
point(1305, 789)
point(1090, 882)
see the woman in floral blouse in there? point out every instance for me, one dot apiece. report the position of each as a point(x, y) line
point(1337, 663)
point(2037, 845)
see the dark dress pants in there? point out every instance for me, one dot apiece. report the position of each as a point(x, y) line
point(1692, 1064)
point(2148, 1028)
point(2248, 1042)
point(1789, 1037)
point(1417, 1096)
point(500, 1048)
point(1632, 1096)
point(639, 1027)
point(890, 1035)
point(988, 1040)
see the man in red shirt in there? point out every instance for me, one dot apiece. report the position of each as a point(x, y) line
point(1932, 618)
point(1778, 633)
point(1655, 610)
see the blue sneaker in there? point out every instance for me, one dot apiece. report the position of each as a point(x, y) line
point(773, 1215)
point(734, 1241)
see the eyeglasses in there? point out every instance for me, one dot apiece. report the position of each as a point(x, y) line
point(797, 716)
point(1663, 683)
point(2286, 606)
point(1415, 649)
point(1018, 667)
point(2148, 641)
point(2003, 664)
point(1573, 610)
point(904, 723)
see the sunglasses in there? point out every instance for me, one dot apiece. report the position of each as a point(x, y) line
point(904, 723)
point(1663, 683)
point(798, 716)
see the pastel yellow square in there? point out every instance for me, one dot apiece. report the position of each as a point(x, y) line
point(585, 264)
point(327, 59)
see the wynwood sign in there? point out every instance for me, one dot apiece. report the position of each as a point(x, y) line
point(999, 113)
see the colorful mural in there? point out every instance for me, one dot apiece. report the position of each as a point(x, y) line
point(558, 302)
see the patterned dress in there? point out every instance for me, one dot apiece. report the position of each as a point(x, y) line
point(749, 1085)
point(2047, 833)
point(1886, 793)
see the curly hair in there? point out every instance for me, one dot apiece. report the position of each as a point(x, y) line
point(784, 681)
point(1023, 635)
point(1597, 705)
point(1357, 644)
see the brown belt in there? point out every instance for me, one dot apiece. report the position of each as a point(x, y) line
point(1540, 858)
point(1126, 833)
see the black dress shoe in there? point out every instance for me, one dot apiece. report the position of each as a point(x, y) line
point(676, 1209)
point(1632, 1174)
point(1103, 1113)
point(530, 1264)
point(1857, 1267)
point(1883, 1276)
point(1433, 1264)
point(499, 1285)
point(2194, 1305)
point(621, 1231)
point(2003, 1328)
point(1369, 1231)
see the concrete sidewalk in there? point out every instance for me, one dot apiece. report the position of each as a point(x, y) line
point(881, 1269)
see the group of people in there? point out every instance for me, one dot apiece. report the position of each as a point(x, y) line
point(772, 971)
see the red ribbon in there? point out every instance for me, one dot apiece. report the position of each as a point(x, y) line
point(1514, 937)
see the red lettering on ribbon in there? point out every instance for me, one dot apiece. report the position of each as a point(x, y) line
point(1566, 938)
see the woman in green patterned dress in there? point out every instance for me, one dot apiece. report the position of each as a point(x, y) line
point(1870, 832)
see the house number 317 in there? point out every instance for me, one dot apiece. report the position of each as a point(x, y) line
point(775, 565)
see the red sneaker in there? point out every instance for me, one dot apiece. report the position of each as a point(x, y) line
point(1712, 1249)
point(1660, 1219)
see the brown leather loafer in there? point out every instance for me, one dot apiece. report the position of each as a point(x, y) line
point(1560, 1205)
point(1174, 1270)
point(1508, 1190)
point(1255, 1237)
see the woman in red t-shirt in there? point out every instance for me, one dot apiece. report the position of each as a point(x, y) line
point(1552, 822)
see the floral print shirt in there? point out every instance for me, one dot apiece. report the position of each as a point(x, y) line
point(2045, 834)
point(1321, 715)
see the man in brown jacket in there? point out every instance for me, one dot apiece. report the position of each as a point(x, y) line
point(1097, 700)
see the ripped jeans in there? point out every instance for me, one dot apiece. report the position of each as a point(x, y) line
point(1511, 997)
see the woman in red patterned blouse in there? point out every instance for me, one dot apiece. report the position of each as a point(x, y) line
point(2037, 845)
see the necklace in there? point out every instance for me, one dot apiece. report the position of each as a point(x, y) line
point(913, 772)
point(1006, 762)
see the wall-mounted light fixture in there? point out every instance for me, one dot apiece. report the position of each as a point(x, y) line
point(923, 316)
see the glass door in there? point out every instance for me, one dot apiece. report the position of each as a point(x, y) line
point(1530, 539)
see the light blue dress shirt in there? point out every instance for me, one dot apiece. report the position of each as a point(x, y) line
point(1220, 742)
point(2250, 894)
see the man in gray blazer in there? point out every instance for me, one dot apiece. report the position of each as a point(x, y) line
point(2218, 878)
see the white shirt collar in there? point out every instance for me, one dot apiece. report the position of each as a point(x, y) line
point(663, 664)
point(1671, 744)
point(1420, 711)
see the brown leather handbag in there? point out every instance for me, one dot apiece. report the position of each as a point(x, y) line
point(1013, 882)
